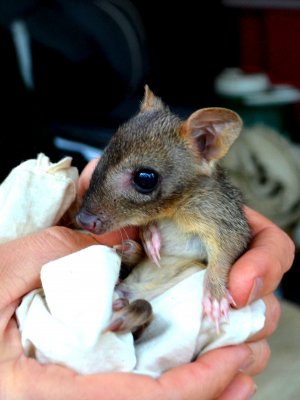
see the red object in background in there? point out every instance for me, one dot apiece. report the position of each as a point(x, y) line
point(270, 42)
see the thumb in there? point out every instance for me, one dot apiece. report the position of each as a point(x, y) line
point(209, 375)
point(21, 259)
point(204, 379)
point(85, 177)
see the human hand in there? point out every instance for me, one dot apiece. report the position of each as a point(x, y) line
point(223, 373)
point(24, 378)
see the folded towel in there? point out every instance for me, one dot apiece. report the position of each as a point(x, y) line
point(35, 195)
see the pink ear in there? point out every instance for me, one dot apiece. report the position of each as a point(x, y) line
point(212, 131)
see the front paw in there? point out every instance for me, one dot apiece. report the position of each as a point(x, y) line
point(131, 253)
point(151, 239)
point(216, 306)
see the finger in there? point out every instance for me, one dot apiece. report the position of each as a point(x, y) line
point(209, 375)
point(204, 379)
point(10, 344)
point(6, 314)
point(266, 233)
point(259, 271)
point(261, 354)
point(241, 388)
point(273, 312)
point(22, 259)
point(117, 237)
point(85, 177)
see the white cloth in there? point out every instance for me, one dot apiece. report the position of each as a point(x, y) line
point(266, 167)
point(65, 321)
point(35, 195)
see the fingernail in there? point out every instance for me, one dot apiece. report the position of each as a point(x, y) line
point(252, 394)
point(247, 363)
point(256, 289)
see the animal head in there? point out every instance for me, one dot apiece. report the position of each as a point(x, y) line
point(152, 162)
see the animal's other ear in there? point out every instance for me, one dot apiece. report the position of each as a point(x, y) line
point(151, 102)
point(212, 131)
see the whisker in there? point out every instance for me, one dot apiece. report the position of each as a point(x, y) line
point(126, 234)
point(122, 240)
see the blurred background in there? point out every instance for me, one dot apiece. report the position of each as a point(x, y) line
point(76, 69)
point(72, 70)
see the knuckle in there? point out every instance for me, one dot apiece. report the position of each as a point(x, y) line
point(261, 355)
point(272, 314)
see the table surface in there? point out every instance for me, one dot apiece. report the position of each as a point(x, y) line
point(281, 379)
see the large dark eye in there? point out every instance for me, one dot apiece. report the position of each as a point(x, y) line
point(145, 180)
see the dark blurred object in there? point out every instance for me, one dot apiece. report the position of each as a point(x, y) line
point(290, 282)
point(84, 63)
point(86, 56)
point(23, 131)
point(257, 100)
point(189, 44)
point(67, 62)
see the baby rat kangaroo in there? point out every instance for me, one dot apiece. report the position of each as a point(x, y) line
point(161, 173)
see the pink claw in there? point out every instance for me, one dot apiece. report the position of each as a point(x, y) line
point(217, 309)
point(152, 242)
point(119, 304)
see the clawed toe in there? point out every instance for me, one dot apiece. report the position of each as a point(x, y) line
point(217, 309)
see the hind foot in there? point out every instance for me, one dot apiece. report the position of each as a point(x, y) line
point(133, 317)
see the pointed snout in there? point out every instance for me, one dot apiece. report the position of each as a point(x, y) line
point(89, 222)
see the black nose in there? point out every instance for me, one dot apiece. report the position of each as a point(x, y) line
point(88, 221)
